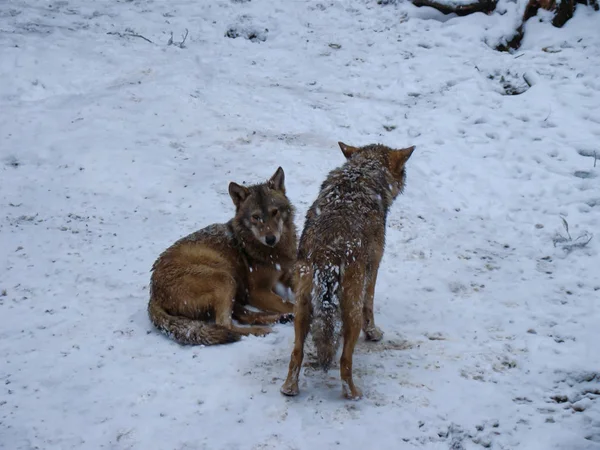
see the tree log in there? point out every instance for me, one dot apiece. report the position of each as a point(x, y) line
point(485, 6)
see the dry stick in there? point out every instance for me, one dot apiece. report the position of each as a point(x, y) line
point(130, 34)
point(595, 158)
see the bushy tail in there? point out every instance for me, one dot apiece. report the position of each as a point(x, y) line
point(326, 318)
point(187, 331)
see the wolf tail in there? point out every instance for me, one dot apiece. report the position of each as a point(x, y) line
point(187, 331)
point(326, 320)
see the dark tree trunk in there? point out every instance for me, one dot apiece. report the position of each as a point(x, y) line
point(562, 13)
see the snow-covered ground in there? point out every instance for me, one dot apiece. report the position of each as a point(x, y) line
point(112, 147)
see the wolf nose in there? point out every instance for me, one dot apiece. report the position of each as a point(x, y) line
point(270, 239)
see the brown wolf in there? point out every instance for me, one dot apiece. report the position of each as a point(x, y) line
point(338, 258)
point(203, 280)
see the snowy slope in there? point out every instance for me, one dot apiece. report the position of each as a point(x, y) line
point(112, 147)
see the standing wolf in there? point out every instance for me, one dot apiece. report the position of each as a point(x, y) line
point(338, 258)
point(204, 279)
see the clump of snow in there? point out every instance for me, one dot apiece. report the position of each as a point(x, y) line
point(245, 27)
point(113, 147)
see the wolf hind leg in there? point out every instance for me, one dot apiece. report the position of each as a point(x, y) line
point(223, 318)
point(352, 314)
point(223, 304)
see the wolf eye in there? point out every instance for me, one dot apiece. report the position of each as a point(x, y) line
point(256, 217)
point(274, 212)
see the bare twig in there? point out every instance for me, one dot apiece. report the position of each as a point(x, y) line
point(548, 116)
point(184, 38)
point(566, 225)
point(595, 158)
point(518, 56)
point(558, 239)
point(567, 243)
point(575, 244)
point(131, 34)
point(178, 44)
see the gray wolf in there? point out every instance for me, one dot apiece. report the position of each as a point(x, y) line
point(204, 280)
point(338, 258)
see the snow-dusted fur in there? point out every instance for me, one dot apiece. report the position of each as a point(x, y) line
point(326, 321)
point(112, 148)
point(339, 254)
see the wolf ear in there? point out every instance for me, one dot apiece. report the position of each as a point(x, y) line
point(347, 150)
point(238, 193)
point(277, 180)
point(398, 159)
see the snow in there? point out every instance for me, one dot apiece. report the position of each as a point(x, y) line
point(113, 147)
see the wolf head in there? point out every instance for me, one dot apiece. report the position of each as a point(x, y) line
point(394, 160)
point(263, 208)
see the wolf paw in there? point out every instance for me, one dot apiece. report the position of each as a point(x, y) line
point(289, 389)
point(260, 331)
point(286, 318)
point(374, 334)
point(351, 392)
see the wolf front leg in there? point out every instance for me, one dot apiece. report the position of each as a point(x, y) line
point(269, 301)
point(352, 287)
point(303, 313)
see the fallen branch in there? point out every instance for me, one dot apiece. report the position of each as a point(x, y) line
point(131, 34)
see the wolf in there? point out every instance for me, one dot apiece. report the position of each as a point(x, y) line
point(338, 258)
point(204, 280)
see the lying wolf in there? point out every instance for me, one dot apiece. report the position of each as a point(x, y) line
point(204, 280)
